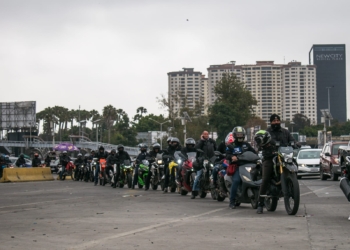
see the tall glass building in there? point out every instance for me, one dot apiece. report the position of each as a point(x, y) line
point(330, 60)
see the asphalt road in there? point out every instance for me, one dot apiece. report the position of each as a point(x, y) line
point(77, 215)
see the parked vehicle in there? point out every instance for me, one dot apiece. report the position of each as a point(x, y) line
point(308, 161)
point(126, 172)
point(175, 161)
point(67, 171)
point(54, 166)
point(103, 176)
point(284, 182)
point(208, 166)
point(14, 159)
point(329, 160)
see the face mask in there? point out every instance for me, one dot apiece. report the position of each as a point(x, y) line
point(276, 126)
point(143, 150)
point(240, 139)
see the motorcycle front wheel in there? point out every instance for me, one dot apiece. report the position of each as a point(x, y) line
point(292, 196)
point(271, 203)
point(129, 177)
point(255, 200)
point(214, 193)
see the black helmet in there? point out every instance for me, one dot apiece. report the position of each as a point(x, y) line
point(190, 141)
point(238, 133)
point(113, 151)
point(120, 146)
point(156, 146)
point(169, 139)
point(143, 145)
point(101, 148)
point(262, 137)
point(80, 155)
point(21, 156)
point(175, 140)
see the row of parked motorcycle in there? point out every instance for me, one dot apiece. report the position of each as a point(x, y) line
point(284, 183)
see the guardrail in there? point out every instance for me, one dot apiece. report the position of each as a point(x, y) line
point(133, 151)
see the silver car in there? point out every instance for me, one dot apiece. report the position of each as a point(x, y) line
point(308, 161)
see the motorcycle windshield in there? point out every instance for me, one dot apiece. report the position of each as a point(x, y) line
point(127, 163)
point(285, 150)
point(191, 156)
point(159, 157)
point(249, 157)
point(177, 155)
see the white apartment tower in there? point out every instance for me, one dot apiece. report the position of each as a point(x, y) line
point(284, 89)
point(185, 88)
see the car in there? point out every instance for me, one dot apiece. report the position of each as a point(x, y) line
point(54, 164)
point(308, 161)
point(329, 161)
point(14, 159)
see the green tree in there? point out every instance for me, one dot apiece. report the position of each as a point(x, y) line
point(109, 115)
point(233, 106)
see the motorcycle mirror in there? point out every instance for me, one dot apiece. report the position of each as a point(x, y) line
point(292, 143)
point(278, 143)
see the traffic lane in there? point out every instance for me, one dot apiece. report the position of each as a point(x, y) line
point(108, 212)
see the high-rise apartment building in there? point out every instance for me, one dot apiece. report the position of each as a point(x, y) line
point(284, 89)
point(185, 89)
point(330, 60)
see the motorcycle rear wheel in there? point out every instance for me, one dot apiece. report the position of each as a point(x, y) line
point(202, 194)
point(139, 185)
point(292, 198)
point(162, 185)
point(155, 186)
point(183, 192)
point(220, 198)
point(173, 189)
point(214, 194)
point(271, 203)
point(121, 185)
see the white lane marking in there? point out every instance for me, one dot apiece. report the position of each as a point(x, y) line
point(41, 202)
point(99, 241)
point(312, 192)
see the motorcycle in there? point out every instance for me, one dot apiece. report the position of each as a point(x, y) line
point(345, 177)
point(188, 174)
point(78, 172)
point(103, 176)
point(175, 161)
point(92, 170)
point(143, 173)
point(284, 182)
point(248, 190)
point(157, 172)
point(67, 171)
point(207, 167)
point(126, 171)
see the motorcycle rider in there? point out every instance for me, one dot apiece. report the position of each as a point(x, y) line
point(64, 160)
point(142, 156)
point(20, 161)
point(121, 156)
point(155, 150)
point(111, 160)
point(228, 141)
point(208, 145)
point(174, 146)
point(190, 144)
point(239, 146)
point(101, 154)
point(36, 162)
point(47, 160)
point(79, 161)
point(266, 140)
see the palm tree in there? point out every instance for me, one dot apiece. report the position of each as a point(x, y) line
point(141, 110)
point(109, 115)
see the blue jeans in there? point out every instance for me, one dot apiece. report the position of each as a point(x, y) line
point(236, 180)
point(195, 184)
point(97, 172)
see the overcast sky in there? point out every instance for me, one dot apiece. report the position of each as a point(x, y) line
point(95, 53)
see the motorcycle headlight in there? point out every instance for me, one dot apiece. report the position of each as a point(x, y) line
point(178, 161)
point(289, 160)
point(127, 166)
point(160, 162)
point(248, 168)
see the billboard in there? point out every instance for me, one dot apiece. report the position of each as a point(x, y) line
point(330, 77)
point(17, 115)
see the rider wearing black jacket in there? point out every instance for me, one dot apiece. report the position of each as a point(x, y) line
point(173, 147)
point(101, 154)
point(266, 141)
point(142, 156)
point(64, 160)
point(36, 162)
point(153, 154)
point(20, 161)
point(121, 156)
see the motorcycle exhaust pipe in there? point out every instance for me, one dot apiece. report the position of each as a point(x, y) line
point(345, 187)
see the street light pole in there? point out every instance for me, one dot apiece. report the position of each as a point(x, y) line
point(161, 131)
point(329, 106)
point(96, 131)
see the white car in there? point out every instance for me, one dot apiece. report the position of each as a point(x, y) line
point(308, 161)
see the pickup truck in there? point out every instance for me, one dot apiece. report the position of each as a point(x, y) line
point(343, 152)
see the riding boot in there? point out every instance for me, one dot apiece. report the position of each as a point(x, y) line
point(260, 209)
point(193, 195)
